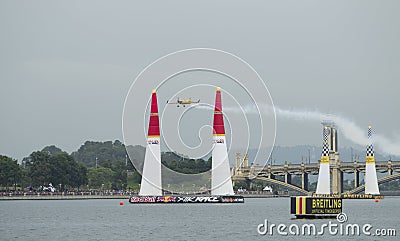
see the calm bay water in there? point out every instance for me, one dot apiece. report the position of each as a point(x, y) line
point(107, 220)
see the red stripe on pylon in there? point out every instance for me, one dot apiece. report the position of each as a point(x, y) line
point(154, 126)
point(218, 126)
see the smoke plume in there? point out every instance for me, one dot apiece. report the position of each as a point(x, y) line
point(347, 127)
point(350, 129)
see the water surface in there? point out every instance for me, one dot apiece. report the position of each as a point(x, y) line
point(107, 220)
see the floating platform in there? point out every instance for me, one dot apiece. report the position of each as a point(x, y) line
point(315, 207)
point(186, 199)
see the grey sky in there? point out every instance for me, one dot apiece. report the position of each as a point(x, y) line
point(67, 66)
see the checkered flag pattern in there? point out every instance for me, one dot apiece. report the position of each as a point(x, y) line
point(370, 150)
point(325, 133)
point(369, 132)
point(325, 147)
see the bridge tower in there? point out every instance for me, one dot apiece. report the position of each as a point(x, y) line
point(239, 164)
point(246, 160)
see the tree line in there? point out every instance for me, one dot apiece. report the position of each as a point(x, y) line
point(95, 165)
point(104, 165)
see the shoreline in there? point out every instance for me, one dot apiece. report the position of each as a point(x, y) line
point(119, 196)
point(88, 197)
point(63, 197)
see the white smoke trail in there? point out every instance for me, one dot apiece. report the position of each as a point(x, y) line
point(348, 128)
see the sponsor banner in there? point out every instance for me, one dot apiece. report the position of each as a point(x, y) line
point(327, 195)
point(232, 199)
point(350, 196)
point(186, 199)
point(362, 196)
point(166, 199)
point(324, 160)
point(315, 205)
point(142, 199)
point(370, 160)
point(153, 141)
point(219, 140)
point(206, 199)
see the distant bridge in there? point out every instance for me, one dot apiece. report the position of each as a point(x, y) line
point(287, 185)
point(269, 173)
point(337, 169)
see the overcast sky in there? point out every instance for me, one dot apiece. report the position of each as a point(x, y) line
point(66, 66)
